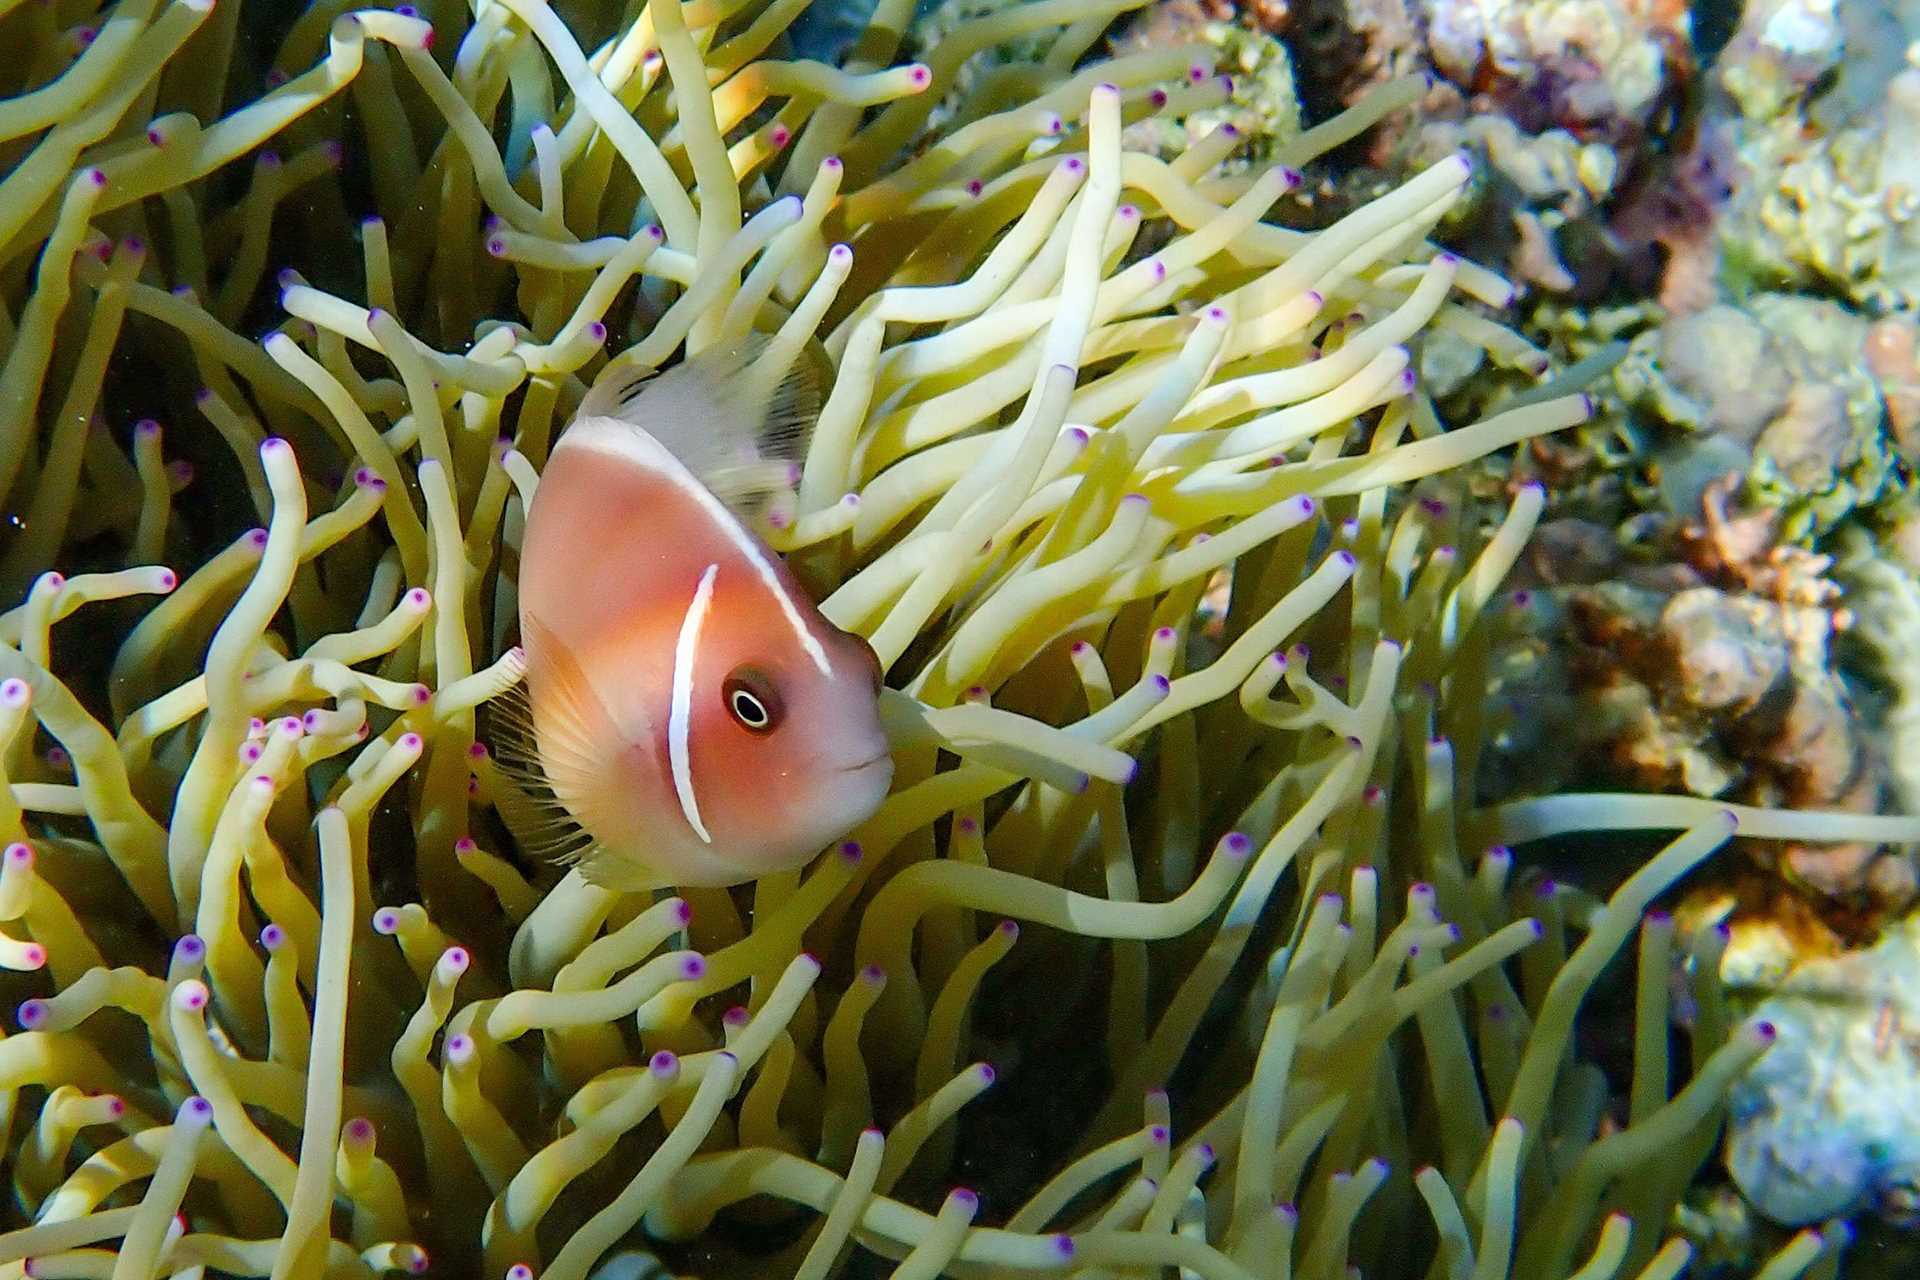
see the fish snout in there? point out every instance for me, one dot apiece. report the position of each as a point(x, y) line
point(872, 661)
point(871, 762)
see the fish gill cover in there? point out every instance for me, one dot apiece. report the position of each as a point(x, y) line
point(1211, 888)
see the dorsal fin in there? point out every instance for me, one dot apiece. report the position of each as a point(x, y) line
point(730, 415)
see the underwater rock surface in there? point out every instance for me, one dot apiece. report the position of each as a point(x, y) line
point(1829, 1124)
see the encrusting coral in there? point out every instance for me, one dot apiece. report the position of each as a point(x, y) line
point(296, 1008)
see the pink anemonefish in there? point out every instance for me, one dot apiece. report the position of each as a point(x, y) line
point(696, 718)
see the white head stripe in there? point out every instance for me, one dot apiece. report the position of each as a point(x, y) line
point(680, 713)
point(635, 445)
point(751, 550)
point(799, 624)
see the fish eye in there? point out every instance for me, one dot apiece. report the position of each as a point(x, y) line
point(751, 700)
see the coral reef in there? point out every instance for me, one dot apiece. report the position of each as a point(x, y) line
point(1262, 103)
point(1821, 1133)
point(291, 1005)
point(1828, 200)
point(1883, 599)
point(1779, 390)
point(1710, 673)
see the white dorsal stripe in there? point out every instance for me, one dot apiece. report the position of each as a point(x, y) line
point(636, 445)
point(680, 714)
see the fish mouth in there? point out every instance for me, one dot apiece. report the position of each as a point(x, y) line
point(885, 757)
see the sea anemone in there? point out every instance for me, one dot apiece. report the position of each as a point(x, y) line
point(1211, 888)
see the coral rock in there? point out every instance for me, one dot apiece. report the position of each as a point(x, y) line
point(1725, 658)
point(1726, 371)
point(1829, 1124)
